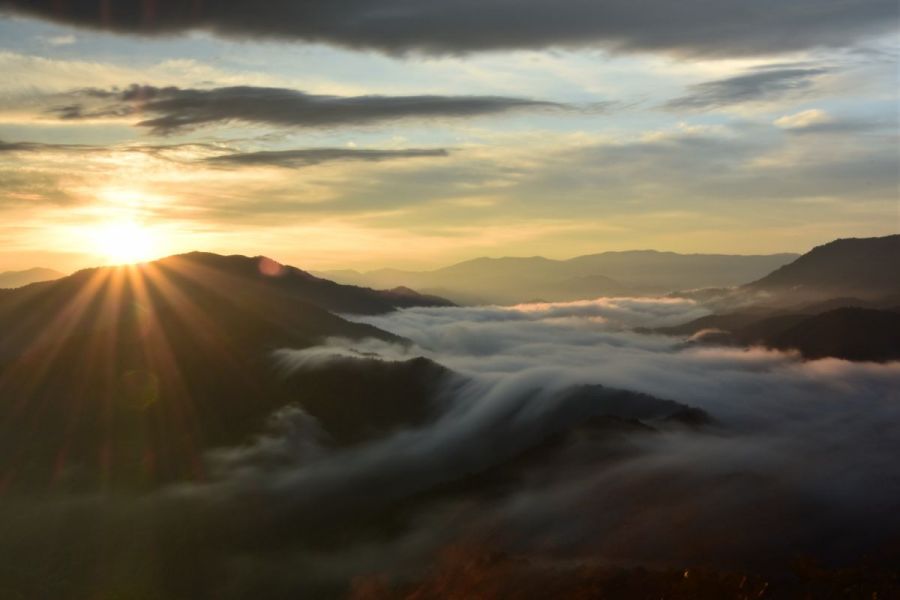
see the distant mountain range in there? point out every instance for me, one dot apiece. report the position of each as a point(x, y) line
point(522, 279)
point(841, 299)
point(15, 279)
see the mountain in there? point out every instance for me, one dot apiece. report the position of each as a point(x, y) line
point(849, 332)
point(126, 374)
point(512, 280)
point(15, 279)
point(305, 286)
point(864, 268)
point(839, 300)
point(126, 377)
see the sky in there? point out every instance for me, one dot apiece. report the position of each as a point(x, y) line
point(414, 134)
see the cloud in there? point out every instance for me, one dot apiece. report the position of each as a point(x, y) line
point(59, 40)
point(795, 458)
point(817, 121)
point(723, 180)
point(38, 147)
point(313, 156)
point(759, 85)
point(212, 154)
point(800, 461)
point(721, 497)
point(804, 119)
point(176, 109)
point(727, 27)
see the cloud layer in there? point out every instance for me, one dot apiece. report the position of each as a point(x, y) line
point(754, 488)
point(798, 465)
point(728, 27)
point(800, 460)
point(174, 109)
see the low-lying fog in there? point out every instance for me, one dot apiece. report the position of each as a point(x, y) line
point(800, 458)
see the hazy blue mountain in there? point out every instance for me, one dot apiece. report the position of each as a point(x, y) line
point(15, 279)
point(522, 279)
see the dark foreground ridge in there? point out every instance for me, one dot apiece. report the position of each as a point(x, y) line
point(134, 370)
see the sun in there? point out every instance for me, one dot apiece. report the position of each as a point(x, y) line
point(125, 242)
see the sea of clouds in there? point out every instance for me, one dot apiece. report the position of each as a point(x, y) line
point(799, 458)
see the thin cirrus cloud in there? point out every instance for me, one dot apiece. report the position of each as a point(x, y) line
point(722, 28)
point(172, 109)
point(758, 85)
point(23, 147)
point(293, 158)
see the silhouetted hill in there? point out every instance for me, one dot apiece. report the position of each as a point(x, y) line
point(848, 333)
point(859, 267)
point(309, 288)
point(359, 399)
point(518, 279)
point(725, 322)
point(836, 300)
point(128, 374)
point(16, 279)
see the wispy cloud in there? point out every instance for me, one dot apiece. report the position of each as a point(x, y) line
point(175, 109)
point(759, 85)
point(59, 40)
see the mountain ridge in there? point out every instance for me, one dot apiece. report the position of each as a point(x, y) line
point(17, 279)
point(512, 279)
point(838, 300)
point(861, 267)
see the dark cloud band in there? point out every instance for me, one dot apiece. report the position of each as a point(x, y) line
point(171, 109)
point(725, 27)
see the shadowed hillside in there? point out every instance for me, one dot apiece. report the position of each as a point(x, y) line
point(838, 300)
point(128, 373)
point(860, 267)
